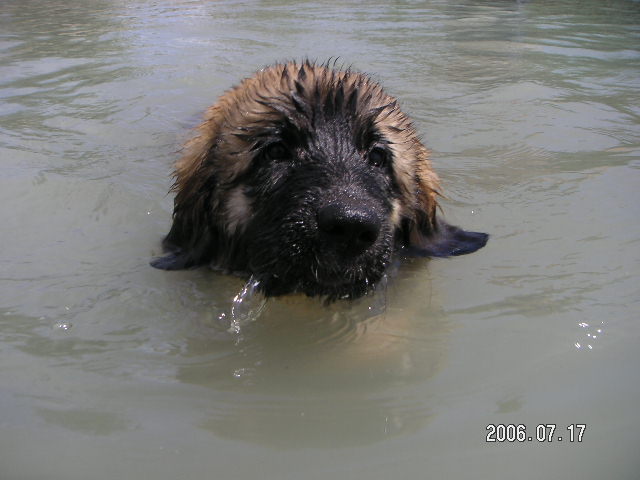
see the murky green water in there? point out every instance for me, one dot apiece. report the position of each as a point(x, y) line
point(111, 369)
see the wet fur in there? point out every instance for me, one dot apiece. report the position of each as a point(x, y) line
point(241, 210)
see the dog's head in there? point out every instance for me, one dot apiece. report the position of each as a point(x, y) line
point(308, 178)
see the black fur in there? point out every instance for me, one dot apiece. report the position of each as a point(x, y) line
point(327, 165)
point(321, 188)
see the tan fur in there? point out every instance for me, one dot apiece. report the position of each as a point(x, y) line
point(237, 209)
point(396, 213)
point(242, 108)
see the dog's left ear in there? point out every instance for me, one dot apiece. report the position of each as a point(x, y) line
point(427, 235)
point(439, 239)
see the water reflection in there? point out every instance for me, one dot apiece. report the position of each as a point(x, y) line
point(531, 109)
point(341, 374)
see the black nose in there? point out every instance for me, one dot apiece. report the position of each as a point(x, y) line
point(351, 229)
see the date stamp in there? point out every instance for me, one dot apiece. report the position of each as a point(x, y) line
point(544, 433)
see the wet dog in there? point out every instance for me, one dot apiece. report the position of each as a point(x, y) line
point(309, 178)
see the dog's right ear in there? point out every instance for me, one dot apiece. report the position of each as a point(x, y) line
point(171, 261)
point(193, 237)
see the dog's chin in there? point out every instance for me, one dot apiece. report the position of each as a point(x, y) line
point(319, 271)
point(338, 286)
point(330, 292)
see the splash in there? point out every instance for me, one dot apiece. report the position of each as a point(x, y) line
point(249, 304)
point(246, 306)
point(379, 298)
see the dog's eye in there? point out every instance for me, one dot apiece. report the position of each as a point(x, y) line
point(277, 151)
point(378, 157)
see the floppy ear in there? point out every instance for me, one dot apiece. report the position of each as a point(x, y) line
point(171, 261)
point(193, 237)
point(426, 235)
point(446, 240)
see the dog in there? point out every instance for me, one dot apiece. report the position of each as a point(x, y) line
point(310, 178)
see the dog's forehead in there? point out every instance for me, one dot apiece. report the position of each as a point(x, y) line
point(306, 91)
point(311, 100)
point(304, 96)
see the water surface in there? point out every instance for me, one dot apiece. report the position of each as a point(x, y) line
point(111, 369)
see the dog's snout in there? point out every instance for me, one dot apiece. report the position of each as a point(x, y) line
point(350, 228)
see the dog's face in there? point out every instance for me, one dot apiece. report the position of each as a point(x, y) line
point(322, 199)
point(309, 179)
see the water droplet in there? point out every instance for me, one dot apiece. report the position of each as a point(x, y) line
point(247, 306)
point(242, 372)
